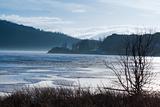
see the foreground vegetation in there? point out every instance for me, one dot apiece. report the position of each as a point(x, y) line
point(64, 97)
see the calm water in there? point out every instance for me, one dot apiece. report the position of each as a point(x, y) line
point(21, 69)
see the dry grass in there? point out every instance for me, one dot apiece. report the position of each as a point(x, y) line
point(63, 97)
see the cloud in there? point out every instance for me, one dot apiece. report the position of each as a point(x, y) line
point(71, 6)
point(44, 5)
point(46, 23)
point(76, 8)
point(78, 11)
point(148, 5)
point(103, 31)
point(47, 20)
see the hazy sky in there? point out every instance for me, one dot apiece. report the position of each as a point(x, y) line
point(82, 16)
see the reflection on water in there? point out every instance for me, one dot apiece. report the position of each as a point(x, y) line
point(18, 69)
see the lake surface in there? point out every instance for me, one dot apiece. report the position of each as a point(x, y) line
point(37, 69)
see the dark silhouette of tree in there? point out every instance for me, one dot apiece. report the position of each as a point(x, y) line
point(134, 67)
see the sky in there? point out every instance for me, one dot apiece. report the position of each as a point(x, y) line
point(80, 18)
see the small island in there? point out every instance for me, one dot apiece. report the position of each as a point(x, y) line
point(60, 50)
point(82, 47)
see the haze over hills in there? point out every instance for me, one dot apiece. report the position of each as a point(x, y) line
point(97, 33)
point(20, 37)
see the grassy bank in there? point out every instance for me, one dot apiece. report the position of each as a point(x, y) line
point(62, 97)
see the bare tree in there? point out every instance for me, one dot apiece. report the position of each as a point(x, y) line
point(134, 67)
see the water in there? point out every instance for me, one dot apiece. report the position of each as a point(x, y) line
point(23, 69)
